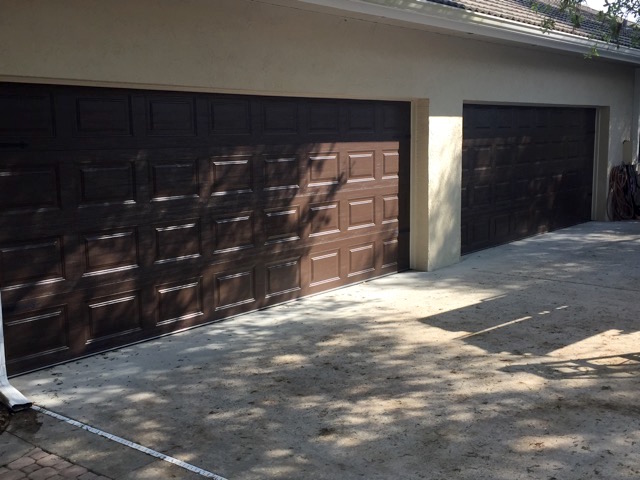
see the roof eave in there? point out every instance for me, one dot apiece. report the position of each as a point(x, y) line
point(428, 15)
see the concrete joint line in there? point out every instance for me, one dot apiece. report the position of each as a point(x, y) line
point(128, 443)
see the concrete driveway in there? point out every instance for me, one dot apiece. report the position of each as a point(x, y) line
point(520, 362)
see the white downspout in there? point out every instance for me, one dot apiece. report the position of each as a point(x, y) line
point(11, 397)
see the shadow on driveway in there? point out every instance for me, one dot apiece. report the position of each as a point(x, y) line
point(520, 362)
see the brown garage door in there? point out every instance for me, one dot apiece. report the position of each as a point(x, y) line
point(127, 214)
point(525, 170)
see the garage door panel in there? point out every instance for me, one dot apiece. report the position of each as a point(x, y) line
point(361, 213)
point(180, 302)
point(52, 323)
point(230, 116)
point(29, 188)
point(103, 115)
point(111, 250)
point(178, 241)
point(233, 232)
point(282, 224)
point(236, 287)
point(113, 315)
point(170, 115)
point(324, 267)
point(128, 214)
point(324, 169)
point(106, 183)
point(390, 249)
point(323, 218)
point(33, 261)
point(27, 114)
point(361, 259)
point(176, 178)
point(283, 277)
point(390, 164)
point(281, 172)
point(280, 117)
point(361, 166)
point(231, 174)
point(538, 171)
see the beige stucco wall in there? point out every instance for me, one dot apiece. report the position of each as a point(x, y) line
point(247, 46)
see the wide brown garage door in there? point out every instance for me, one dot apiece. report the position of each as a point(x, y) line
point(525, 170)
point(126, 214)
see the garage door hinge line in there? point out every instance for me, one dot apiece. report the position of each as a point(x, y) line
point(128, 443)
point(9, 395)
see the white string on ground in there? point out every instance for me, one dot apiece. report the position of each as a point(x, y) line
point(128, 443)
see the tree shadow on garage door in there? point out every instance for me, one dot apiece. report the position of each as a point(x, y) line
point(130, 213)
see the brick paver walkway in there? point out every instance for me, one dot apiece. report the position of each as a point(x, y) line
point(40, 465)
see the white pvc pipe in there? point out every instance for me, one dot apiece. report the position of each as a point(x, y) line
point(11, 397)
point(128, 443)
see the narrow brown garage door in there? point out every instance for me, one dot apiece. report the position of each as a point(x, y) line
point(127, 214)
point(525, 170)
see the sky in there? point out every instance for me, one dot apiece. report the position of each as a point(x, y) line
point(595, 4)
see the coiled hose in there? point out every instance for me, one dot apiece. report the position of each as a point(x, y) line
point(624, 194)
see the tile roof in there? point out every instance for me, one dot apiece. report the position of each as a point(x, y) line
point(534, 12)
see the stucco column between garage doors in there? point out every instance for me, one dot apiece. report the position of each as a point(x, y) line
point(436, 172)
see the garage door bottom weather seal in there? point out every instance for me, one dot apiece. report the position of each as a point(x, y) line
point(128, 443)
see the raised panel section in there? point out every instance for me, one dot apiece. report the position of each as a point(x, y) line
point(504, 156)
point(390, 209)
point(394, 119)
point(361, 259)
point(390, 253)
point(177, 242)
point(480, 230)
point(361, 213)
point(108, 183)
point(174, 180)
point(111, 251)
point(361, 118)
point(324, 169)
point(179, 301)
point(26, 115)
point(482, 158)
point(282, 225)
point(324, 218)
point(283, 277)
point(324, 117)
point(233, 232)
point(481, 195)
point(113, 315)
point(171, 116)
point(29, 188)
point(52, 329)
point(230, 117)
point(32, 261)
point(325, 267)
point(361, 167)
point(502, 192)
point(501, 226)
point(281, 172)
point(280, 117)
point(103, 116)
point(390, 165)
point(231, 174)
point(233, 289)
